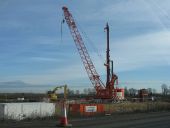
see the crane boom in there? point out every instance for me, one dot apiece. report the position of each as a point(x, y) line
point(88, 64)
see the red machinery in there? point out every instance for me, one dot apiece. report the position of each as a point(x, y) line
point(107, 91)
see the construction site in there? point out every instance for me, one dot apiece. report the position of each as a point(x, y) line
point(107, 105)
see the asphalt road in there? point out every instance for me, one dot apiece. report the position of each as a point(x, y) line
point(139, 120)
point(142, 120)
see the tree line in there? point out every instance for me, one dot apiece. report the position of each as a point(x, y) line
point(127, 92)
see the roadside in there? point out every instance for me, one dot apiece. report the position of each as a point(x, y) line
point(135, 120)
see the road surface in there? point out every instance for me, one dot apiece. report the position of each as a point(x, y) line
point(138, 120)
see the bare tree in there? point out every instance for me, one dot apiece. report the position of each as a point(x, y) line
point(126, 91)
point(70, 92)
point(77, 92)
point(154, 91)
point(91, 91)
point(149, 90)
point(164, 89)
point(85, 91)
point(132, 92)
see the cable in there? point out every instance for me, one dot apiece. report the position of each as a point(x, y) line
point(61, 32)
point(101, 58)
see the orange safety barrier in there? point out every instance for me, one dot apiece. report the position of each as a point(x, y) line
point(91, 109)
point(86, 109)
point(74, 108)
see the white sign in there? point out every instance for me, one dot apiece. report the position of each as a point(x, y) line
point(90, 108)
point(119, 94)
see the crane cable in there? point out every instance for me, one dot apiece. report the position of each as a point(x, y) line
point(91, 42)
point(101, 58)
point(83, 32)
point(61, 30)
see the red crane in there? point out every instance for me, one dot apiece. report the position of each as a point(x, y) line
point(102, 91)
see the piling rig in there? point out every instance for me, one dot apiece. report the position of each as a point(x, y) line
point(103, 91)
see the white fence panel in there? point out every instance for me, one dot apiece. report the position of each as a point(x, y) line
point(2, 106)
point(19, 111)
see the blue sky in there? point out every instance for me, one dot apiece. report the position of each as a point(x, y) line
point(31, 50)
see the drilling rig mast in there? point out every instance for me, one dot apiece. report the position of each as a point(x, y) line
point(102, 91)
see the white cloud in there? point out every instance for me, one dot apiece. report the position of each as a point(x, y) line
point(44, 59)
point(136, 52)
point(60, 75)
point(142, 51)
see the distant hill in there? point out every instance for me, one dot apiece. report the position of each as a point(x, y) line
point(20, 86)
point(13, 84)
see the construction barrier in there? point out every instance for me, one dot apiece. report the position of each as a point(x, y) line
point(107, 109)
point(86, 109)
point(58, 109)
point(20, 111)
